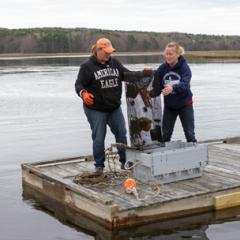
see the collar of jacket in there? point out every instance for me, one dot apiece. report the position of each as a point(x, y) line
point(180, 62)
point(95, 61)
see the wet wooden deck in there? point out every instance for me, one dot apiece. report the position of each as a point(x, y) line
point(110, 205)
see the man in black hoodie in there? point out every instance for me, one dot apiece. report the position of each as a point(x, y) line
point(99, 84)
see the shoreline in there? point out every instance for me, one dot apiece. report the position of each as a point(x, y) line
point(230, 54)
point(193, 54)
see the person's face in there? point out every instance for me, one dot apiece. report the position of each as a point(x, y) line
point(171, 56)
point(102, 56)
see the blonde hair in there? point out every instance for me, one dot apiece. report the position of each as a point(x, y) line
point(94, 50)
point(179, 49)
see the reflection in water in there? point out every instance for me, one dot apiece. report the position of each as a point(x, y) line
point(183, 228)
point(59, 61)
point(77, 60)
point(41, 119)
point(140, 59)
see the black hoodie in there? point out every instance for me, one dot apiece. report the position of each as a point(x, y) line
point(104, 81)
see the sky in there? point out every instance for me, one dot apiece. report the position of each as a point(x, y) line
point(215, 17)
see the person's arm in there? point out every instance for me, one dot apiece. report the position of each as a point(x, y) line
point(83, 80)
point(122, 70)
point(157, 85)
point(184, 82)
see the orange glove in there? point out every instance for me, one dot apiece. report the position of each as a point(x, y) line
point(87, 97)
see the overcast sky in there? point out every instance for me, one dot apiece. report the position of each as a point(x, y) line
point(219, 17)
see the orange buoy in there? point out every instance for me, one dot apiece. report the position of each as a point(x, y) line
point(129, 185)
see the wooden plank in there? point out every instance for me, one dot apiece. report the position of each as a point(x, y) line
point(38, 163)
point(233, 156)
point(54, 170)
point(200, 189)
point(225, 161)
point(66, 162)
point(232, 140)
point(91, 167)
point(183, 190)
point(68, 184)
point(124, 200)
point(227, 200)
point(209, 182)
point(71, 171)
point(235, 174)
point(202, 184)
point(224, 152)
point(224, 172)
point(226, 166)
point(216, 186)
point(223, 181)
point(173, 192)
point(221, 140)
point(226, 147)
point(80, 167)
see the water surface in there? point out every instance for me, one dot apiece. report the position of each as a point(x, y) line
point(41, 118)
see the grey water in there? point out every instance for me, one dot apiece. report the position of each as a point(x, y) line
point(41, 118)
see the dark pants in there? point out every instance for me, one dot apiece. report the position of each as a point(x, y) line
point(186, 116)
point(98, 122)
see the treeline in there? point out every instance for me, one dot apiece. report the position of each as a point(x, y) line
point(77, 40)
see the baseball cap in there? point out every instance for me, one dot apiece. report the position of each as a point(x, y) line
point(105, 44)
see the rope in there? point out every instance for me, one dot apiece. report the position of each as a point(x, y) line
point(129, 165)
point(114, 177)
point(111, 157)
point(93, 179)
point(107, 178)
point(155, 189)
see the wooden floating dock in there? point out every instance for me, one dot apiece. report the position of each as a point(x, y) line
point(178, 228)
point(111, 206)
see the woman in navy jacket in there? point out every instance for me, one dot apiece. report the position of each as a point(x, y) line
point(172, 79)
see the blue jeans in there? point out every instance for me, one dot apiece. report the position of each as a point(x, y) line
point(186, 116)
point(98, 122)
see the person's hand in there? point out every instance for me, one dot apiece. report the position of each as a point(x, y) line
point(147, 94)
point(167, 90)
point(87, 98)
point(147, 70)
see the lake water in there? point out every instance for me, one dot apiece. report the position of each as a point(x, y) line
point(41, 118)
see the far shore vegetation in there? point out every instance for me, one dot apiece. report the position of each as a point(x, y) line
point(191, 54)
point(214, 54)
point(78, 41)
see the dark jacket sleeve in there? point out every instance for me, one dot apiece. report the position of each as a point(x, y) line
point(122, 69)
point(185, 80)
point(157, 85)
point(84, 79)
